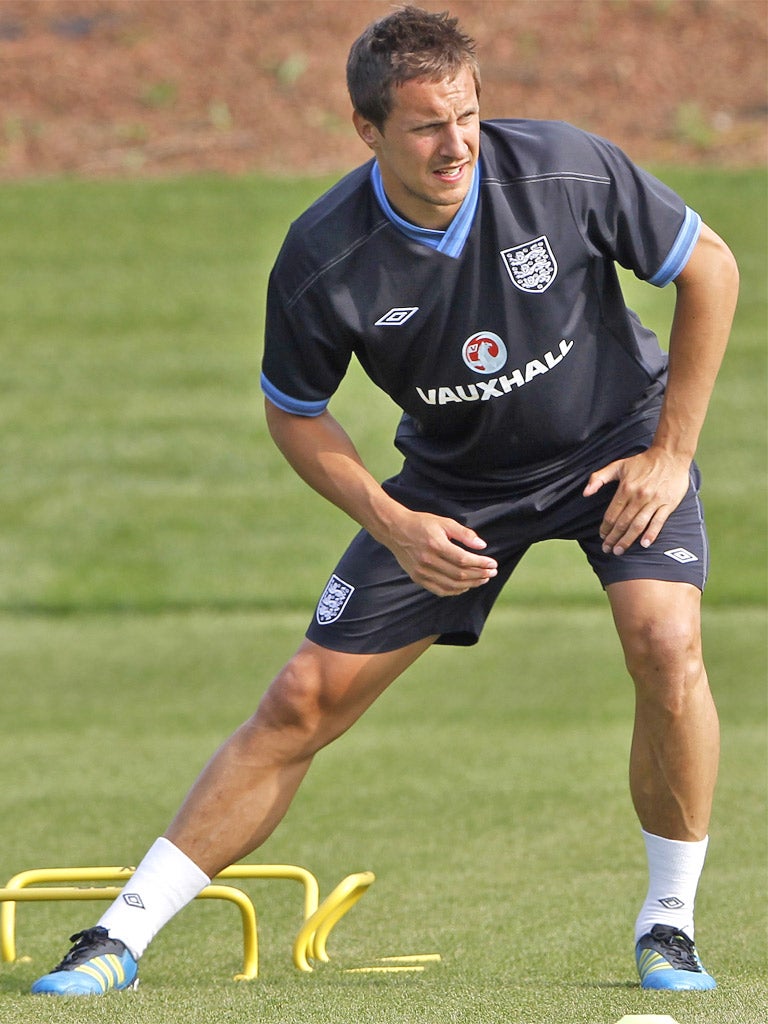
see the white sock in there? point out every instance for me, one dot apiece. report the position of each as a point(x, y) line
point(165, 881)
point(674, 869)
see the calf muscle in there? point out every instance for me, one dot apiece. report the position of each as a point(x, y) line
point(246, 788)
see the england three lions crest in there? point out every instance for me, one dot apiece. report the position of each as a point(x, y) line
point(531, 266)
point(333, 600)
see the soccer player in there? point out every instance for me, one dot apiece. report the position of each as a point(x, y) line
point(471, 268)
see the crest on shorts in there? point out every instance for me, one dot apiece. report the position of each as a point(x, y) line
point(531, 266)
point(333, 600)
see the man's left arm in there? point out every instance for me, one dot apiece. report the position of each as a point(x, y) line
point(653, 483)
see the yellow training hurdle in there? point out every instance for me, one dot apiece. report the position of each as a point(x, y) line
point(310, 943)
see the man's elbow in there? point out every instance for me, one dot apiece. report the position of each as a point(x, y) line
point(712, 265)
point(726, 266)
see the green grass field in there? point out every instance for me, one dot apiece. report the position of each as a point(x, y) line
point(160, 563)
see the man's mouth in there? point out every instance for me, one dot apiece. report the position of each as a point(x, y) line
point(450, 173)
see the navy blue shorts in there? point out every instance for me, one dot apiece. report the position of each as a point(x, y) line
point(370, 605)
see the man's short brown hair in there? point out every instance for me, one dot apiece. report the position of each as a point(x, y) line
point(409, 43)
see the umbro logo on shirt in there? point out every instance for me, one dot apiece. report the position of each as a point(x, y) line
point(396, 316)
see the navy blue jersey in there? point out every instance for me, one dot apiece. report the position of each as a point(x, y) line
point(510, 350)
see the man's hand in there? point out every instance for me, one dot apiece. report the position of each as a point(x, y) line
point(428, 548)
point(651, 486)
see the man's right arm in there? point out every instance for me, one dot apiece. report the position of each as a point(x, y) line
point(426, 546)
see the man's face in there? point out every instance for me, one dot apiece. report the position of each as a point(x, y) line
point(428, 147)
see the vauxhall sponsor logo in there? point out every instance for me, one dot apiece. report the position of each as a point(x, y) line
point(496, 387)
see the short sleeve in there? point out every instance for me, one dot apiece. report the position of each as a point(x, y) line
point(305, 357)
point(641, 222)
point(680, 252)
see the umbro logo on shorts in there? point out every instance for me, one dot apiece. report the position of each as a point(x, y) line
point(396, 316)
point(133, 900)
point(681, 555)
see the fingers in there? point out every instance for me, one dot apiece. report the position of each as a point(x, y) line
point(466, 536)
point(650, 488)
point(444, 557)
point(622, 527)
point(621, 519)
point(601, 477)
point(451, 570)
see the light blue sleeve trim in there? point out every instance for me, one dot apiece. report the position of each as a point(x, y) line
point(680, 253)
point(292, 405)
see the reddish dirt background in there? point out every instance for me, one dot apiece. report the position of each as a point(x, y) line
point(101, 88)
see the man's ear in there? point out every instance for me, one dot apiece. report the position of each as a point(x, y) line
point(367, 130)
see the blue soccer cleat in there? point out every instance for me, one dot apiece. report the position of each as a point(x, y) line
point(667, 959)
point(93, 966)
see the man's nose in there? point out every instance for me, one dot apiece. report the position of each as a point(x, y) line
point(452, 143)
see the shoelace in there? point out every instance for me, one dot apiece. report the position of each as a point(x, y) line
point(83, 947)
point(677, 947)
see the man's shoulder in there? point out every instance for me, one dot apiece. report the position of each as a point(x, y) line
point(337, 199)
point(338, 214)
point(329, 230)
point(524, 147)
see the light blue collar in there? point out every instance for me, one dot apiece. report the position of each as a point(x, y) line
point(451, 241)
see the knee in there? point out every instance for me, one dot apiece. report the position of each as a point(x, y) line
point(293, 701)
point(664, 658)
